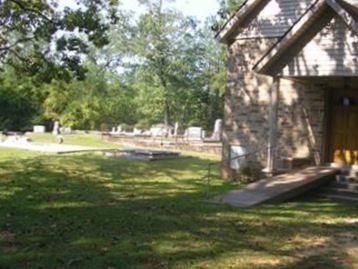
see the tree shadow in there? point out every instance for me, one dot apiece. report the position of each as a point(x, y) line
point(88, 211)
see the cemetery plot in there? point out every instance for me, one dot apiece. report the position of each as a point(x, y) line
point(45, 147)
point(144, 155)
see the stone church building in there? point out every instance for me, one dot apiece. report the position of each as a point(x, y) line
point(292, 89)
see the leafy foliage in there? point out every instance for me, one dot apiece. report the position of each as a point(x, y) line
point(29, 29)
point(227, 9)
point(160, 68)
point(20, 102)
point(177, 58)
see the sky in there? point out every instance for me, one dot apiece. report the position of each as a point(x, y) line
point(200, 9)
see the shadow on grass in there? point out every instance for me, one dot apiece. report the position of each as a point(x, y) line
point(87, 211)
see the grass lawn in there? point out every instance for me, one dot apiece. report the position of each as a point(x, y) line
point(83, 140)
point(89, 211)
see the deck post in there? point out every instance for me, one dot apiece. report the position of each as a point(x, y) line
point(272, 135)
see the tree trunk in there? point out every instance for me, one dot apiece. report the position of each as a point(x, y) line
point(166, 112)
point(166, 108)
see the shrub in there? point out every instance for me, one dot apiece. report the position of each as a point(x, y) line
point(127, 127)
point(142, 125)
point(249, 173)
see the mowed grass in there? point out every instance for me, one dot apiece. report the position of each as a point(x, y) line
point(89, 211)
point(83, 140)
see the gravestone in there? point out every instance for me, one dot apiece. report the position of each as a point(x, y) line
point(66, 130)
point(119, 129)
point(56, 128)
point(137, 131)
point(176, 128)
point(39, 129)
point(157, 131)
point(217, 134)
point(195, 133)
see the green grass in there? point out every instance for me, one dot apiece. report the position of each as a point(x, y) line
point(84, 140)
point(89, 211)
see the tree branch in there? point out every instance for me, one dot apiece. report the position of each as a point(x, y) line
point(23, 7)
point(21, 40)
point(18, 55)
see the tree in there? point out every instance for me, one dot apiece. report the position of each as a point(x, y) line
point(162, 66)
point(213, 77)
point(99, 98)
point(156, 29)
point(227, 9)
point(161, 50)
point(20, 100)
point(39, 38)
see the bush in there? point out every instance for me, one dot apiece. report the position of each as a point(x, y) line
point(16, 111)
point(142, 125)
point(127, 127)
point(249, 173)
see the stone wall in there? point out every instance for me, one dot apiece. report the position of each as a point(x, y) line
point(167, 144)
point(301, 116)
point(246, 101)
point(300, 111)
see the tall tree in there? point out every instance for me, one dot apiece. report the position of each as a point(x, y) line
point(165, 43)
point(159, 30)
point(161, 67)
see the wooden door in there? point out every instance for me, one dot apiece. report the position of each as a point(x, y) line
point(344, 133)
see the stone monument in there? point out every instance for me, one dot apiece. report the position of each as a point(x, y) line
point(119, 129)
point(39, 129)
point(176, 128)
point(218, 128)
point(195, 133)
point(56, 128)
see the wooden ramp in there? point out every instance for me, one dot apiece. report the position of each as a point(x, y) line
point(279, 188)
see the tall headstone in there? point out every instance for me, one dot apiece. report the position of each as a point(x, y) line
point(176, 128)
point(56, 128)
point(119, 129)
point(218, 128)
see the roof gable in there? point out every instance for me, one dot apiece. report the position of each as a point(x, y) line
point(303, 32)
point(263, 19)
point(238, 17)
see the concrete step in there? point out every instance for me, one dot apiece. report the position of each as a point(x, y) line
point(335, 191)
point(344, 185)
point(337, 197)
point(346, 179)
point(350, 173)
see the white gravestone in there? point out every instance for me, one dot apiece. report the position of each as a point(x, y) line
point(157, 131)
point(119, 129)
point(137, 131)
point(39, 129)
point(195, 133)
point(176, 128)
point(217, 130)
point(56, 128)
